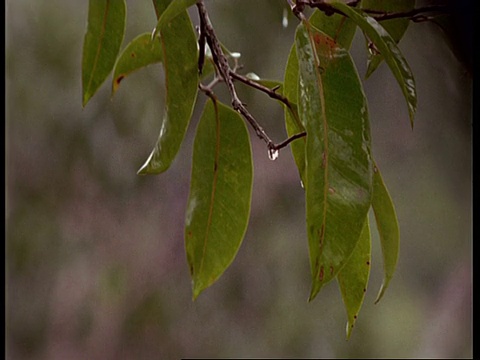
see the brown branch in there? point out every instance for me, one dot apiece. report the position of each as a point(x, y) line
point(415, 15)
point(226, 74)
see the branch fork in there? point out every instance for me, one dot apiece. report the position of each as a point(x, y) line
point(224, 73)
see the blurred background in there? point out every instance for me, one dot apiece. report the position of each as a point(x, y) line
point(95, 263)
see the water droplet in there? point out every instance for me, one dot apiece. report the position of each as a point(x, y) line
point(372, 49)
point(272, 154)
point(253, 76)
point(331, 190)
point(235, 55)
point(152, 36)
point(208, 52)
point(285, 18)
point(301, 184)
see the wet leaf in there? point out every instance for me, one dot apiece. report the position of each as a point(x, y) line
point(101, 45)
point(395, 27)
point(139, 53)
point(353, 278)
point(174, 8)
point(218, 206)
point(388, 230)
point(178, 41)
point(342, 30)
point(338, 169)
point(388, 48)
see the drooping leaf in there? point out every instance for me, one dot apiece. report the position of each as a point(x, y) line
point(353, 278)
point(179, 47)
point(139, 53)
point(342, 30)
point(390, 51)
point(175, 8)
point(220, 193)
point(338, 170)
point(293, 123)
point(388, 230)
point(101, 45)
point(395, 27)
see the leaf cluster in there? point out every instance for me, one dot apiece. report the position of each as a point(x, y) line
point(326, 119)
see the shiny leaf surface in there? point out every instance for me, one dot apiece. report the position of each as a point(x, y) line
point(388, 230)
point(101, 45)
point(338, 169)
point(178, 41)
point(388, 48)
point(140, 52)
point(218, 206)
point(395, 27)
point(353, 278)
point(342, 30)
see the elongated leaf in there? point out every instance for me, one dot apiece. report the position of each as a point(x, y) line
point(388, 229)
point(395, 27)
point(293, 123)
point(338, 164)
point(101, 45)
point(342, 30)
point(353, 278)
point(175, 8)
point(178, 42)
point(388, 48)
point(139, 53)
point(220, 193)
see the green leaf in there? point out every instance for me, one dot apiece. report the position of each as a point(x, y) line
point(388, 229)
point(338, 163)
point(353, 278)
point(175, 8)
point(342, 30)
point(139, 53)
point(395, 27)
point(179, 46)
point(338, 27)
point(293, 122)
point(388, 48)
point(101, 45)
point(220, 193)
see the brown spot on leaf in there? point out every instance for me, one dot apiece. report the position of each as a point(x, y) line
point(368, 263)
point(320, 275)
point(133, 55)
point(119, 78)
point(331, 270)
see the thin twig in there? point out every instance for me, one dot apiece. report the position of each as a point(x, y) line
point(226, 74)
point(415, 15)
point(224, 70)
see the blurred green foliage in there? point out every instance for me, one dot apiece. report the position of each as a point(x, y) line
point(95, 264)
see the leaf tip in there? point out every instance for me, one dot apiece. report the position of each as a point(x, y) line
point(349, 329)
point(381, 292)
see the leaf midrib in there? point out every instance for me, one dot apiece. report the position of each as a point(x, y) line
point(214, 186)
